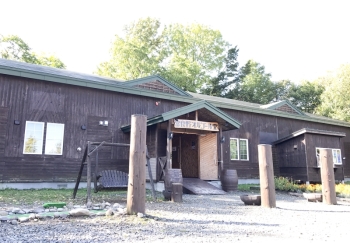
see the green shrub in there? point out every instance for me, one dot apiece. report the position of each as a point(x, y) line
point(284, 184)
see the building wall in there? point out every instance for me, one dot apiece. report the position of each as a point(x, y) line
point(321, 141)
point(256, 127)
point(33, 100)
point(26, 99)
point(291, 156)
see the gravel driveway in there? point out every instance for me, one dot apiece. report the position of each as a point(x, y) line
point(222, 218)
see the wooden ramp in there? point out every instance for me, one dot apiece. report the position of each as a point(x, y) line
point(199, 187)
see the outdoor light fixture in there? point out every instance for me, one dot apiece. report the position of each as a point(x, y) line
point(16, 122)
point(222, 140)
point(103, 123)
point(171, 135)
point(83, 127)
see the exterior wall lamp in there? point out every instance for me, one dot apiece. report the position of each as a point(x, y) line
point(103, 123)
point(222, 140)
point(170, 135)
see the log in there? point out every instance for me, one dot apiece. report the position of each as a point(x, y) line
point(176, 192)
point(327, 177)
point(267, 183)
point(136, 195)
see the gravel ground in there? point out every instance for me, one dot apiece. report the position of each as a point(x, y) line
point(222, 218)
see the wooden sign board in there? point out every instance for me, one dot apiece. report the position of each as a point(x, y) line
point(198, 125)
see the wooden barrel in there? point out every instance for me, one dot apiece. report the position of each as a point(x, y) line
point(229, 180)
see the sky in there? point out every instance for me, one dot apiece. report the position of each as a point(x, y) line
point(295, 40)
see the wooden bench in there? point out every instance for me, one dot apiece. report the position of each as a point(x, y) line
point(110, 179)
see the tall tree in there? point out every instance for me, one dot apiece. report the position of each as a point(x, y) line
point(139, 53)
point(185, 55)
point(306, 96)
point(227, 78)
point(196, 52)
point(335, 100)
point(254, 84)
point(14, 48)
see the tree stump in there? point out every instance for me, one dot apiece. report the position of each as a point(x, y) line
point(176, 193)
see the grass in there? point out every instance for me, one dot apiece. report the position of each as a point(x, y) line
point(41, 196)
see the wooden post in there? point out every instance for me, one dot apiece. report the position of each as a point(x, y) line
point(88, 173)
point(176, 192)
point(221, 167)
point(169, 147)
point(267, 183)
point(137, 165)
point(327, 177)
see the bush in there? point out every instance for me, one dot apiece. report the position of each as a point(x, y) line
point(284, 184)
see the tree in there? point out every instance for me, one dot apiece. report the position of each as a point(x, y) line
point(185, 55)
point(196, 52)
point(140, 53)
point(227, 79)
point(254, 85)
point(306, 96)
point(14, 48)
point(335, 100)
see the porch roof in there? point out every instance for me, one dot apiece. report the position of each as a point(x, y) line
point(207, 112)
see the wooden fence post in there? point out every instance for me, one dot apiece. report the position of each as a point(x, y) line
point(137, 165)
point(327, 177)
point(267, 182)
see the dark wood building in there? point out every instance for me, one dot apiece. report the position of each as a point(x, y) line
point(47, 115)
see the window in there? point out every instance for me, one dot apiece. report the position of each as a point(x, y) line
point(239, 149)
point(34, 138)
point(54, 138)
point(336, 155)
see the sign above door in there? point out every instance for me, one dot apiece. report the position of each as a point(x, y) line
point(198, 125)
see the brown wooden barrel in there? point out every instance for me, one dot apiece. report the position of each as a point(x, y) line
point(229, 180)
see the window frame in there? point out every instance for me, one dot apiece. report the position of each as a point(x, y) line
point(335, 162)
point(40, 151)
point(61, 138)
point(239, 148)
point(247, 146)
point(44, 139)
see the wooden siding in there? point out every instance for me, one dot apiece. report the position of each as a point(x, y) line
point(33, 100)
point(321, 141)
point(347, 158)
point(252, 126)
point(157, 86)
point(208, 168)
point(286, 108)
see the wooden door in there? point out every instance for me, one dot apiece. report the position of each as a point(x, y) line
point(208, 162)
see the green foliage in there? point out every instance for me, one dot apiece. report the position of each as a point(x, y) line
point(248, 187)
point(253, 85)
point(284, 184)
point(13, 47)
point(227, 79)
point(185, 55)
point(335, 100)
point(306, 96)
